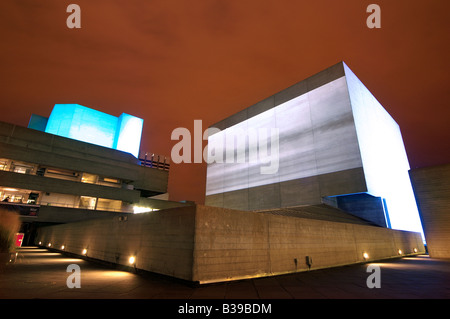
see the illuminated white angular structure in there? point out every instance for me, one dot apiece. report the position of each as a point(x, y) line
point(334, 143)
point(84, 124)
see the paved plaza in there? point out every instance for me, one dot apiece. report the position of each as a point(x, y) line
point(41, 273)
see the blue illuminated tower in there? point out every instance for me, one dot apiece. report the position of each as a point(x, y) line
point(81, 123)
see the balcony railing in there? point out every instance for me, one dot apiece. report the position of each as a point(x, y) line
point(32, 210)
point(155, 161)
point(22, 209)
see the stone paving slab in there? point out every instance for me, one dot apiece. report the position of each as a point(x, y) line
point(40, 273)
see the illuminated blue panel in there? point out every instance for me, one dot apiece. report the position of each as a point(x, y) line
point(60, 120)
point(128, 134)
point(88, 125)
point(38, 122)
point(83, 124)
point(384, 157)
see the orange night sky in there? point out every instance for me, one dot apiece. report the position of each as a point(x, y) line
point(171, 62)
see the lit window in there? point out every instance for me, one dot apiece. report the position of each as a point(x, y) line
point(139, 209)
point(87, 202)
point(110, 180)
point(89, 178)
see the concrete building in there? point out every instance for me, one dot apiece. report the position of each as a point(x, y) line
point(432, 189)
point(51, 179)
point(299, 162)
point(325, 140)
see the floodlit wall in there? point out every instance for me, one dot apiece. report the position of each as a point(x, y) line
point(316, 136)
point(383, 155)
point(83, 124)
point(128, 134)
point(317, 153)
point(209, 244)
point(432, 190)
point(88, 125)
point(334, 138)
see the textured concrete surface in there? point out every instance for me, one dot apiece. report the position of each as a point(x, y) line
point(161, 241)
point(39, 273)
point(28, 145)
point(334, 138)
point(432, 189)
point(317, 138)
point(231, 244)
point(211, 244)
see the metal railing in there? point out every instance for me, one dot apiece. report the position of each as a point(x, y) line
point(30, 210)
point(155, 161)
point(24, 209)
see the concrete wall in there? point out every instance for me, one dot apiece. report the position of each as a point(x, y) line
point(53, 185)
point(432, 189)
point(162, 241)
point(318, 148)
point(313, 82)
point(368, 207)
point(303, 191)
point(231, 244)
point(28, 145)
point(54, 214)
point(209, 244)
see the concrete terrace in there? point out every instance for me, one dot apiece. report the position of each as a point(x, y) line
point(41, 273)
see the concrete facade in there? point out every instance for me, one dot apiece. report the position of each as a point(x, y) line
point(432, 189)
point(309, 151)
point(53, 179)
point(364, 206)
point(209, 244)
point(334, 139)
point(28, 145)
point(162, 242)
